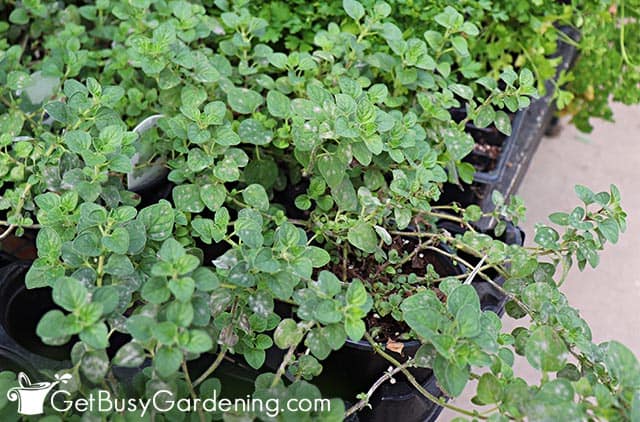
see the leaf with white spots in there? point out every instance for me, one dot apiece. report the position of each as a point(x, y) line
point(243, 100)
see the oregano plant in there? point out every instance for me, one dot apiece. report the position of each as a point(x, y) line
point(298, 159)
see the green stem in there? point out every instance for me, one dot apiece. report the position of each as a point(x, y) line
point(192, 390)
point(211, 368)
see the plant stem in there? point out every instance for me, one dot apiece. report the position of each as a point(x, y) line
point(283, 365)
point(287, 358)
point(192, 390)
point(211, 368)
point(475, 271)
point(384, 378)
point(7, 232)
point(31, 226)
point(100, 270)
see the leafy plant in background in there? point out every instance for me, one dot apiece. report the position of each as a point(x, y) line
point(294, 151)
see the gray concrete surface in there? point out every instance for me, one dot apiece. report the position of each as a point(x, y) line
point(608, 296)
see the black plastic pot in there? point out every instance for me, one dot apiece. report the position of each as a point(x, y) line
point(11, 361)
point(21, 348)
point(401, 401)
point(355, 367)
point(20, 312)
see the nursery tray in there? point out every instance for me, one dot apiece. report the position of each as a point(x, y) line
point(519, 148)
point(533, 126)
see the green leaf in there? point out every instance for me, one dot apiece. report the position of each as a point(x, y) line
point(468, 321)
point(182, 288)
point(199, 342)
point(278, 104)
point(171, 251)
point(255, 357)
point(41, 274)
point(328, 283)
point(69, 293)
point(255, 196)
point(48, 243)
point(363, 237)
point(327, 312)
point(609, 229)
point(165, 332)
point(59, 111)
point(243, 100)
point(119, 265)
point(489, 389)
point(356, 293)
point(96, 336)
point(449, 18)
point(52, 326)
point(318, 256)
point(503, 122)
point(187, 198)
point(287, 334)
point(353, 8)
point(461, 296)
point(108, 297)
point(167, 361)
point(545, 350)
point(158, 220)
point(140, 327)
point(130, 355)
point(451, 377)
point(622, 364)
point(459, 44)
point(77, 141)
point(470, 29)
point(117, 241)
point(19, 16)
point(355, 328)
point(87, 244)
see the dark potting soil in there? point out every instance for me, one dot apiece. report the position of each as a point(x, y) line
point(369, 270)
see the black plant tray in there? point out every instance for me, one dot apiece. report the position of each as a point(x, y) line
point(521, 145)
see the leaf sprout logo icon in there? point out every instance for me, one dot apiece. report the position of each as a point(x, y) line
point(31, 397)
